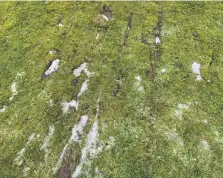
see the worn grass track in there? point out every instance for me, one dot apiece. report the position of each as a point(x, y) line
point(146, 113)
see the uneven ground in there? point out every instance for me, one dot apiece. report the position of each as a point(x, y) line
point(144, 113)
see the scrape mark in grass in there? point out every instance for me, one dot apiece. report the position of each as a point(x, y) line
point(205, 145)
point(18, 159)
point(47, 141)
point(71, 104)
point(81, 68)
point(196, 69)
point(138, 84)
point(77, 132)
point(128, 28)
point(107, 13)
point(26, 171)
point(118, 86)
point(52, 68)
point(157, 40)
point(14, 85)
point(60, 159)
point(97, 36)
point(78, 70)
point(218, 137)
point(51, 102)
point(75, 103)
point(104, 17)
point(3, 109)
point(179, 111)
point(98, 174)
point(213, 59)
point(14, 90)
point(91, 147)
point(20, 74)
point(75, 81)
point(173, 135)
point(163, 70)
point(110, 143)
point(157, 34)
point(83, 88)
point(56, 51)
point(154, 48)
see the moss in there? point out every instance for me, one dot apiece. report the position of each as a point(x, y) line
point(148, 135)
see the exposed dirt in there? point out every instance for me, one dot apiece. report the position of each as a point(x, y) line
point(71, 158)
point(118, 86)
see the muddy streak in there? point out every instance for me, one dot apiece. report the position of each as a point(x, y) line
point(52, 67)
point(128, 28)
point(118, 86)
point(107, 12)
point(66, 166)
point(154, 56)
point(157, 35)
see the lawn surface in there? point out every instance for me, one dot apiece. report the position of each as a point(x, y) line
point(142, 110)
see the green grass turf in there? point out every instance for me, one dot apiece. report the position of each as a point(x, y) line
point(150, 140)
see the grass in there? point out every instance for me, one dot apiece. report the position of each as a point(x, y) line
point(149, 139)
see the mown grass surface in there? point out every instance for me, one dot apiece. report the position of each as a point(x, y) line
point(150, 140)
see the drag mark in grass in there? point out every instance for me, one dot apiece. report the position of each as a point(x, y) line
point(55, 169)
point(18, 159)
point(163, 70)
point(54, 66)
point(118, 86)
point(90, 146)
point(157, 34)
point(173, 135)
point(138, 83)
point(67, 105)
point(213, 59)
point(154, 56)
point(75, 138)
point(82, 68)
point(83, 88)
point(3, 109)
point(75, 102)
point(196, 69)
point(128, 28)
point(46, 142)
point(54, 51)
point(26, 171)
point(77, 130)
point(179, 111)
point(14, 90)
point(205, 145)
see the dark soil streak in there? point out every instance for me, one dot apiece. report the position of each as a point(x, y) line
point(107, 11)
point(128, 28)
point(75, 81)
point(212, 59)
point(155, 51)
point(47, 66)
point(157, 33)
point(70, 161)
point(118, 87)
point(154, 56)
point(158, 28)
point(65, 170)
